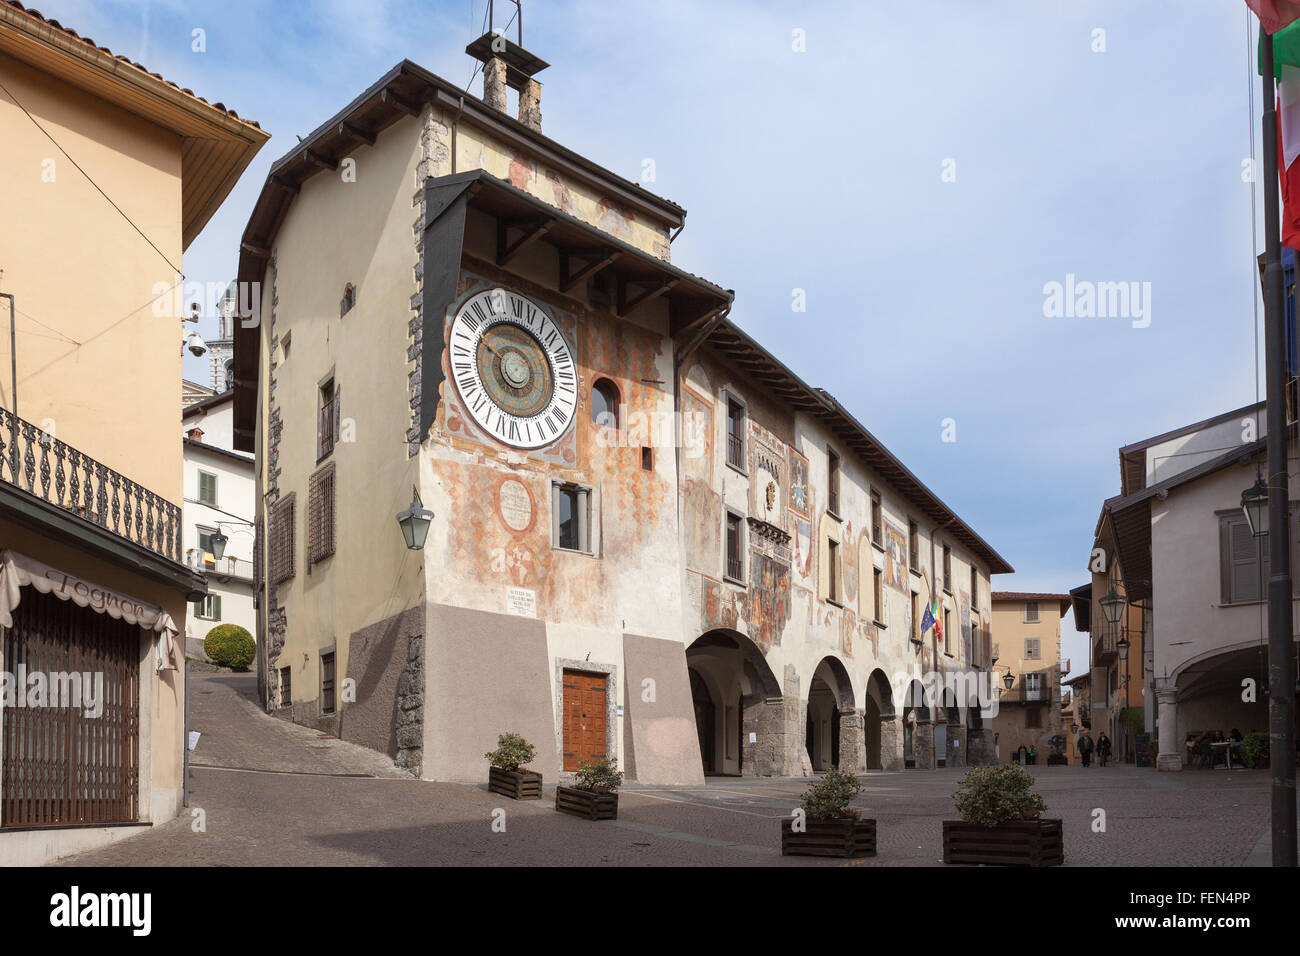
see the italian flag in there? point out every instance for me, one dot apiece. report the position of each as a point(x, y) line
point(1286, 68)
point(1274, 14)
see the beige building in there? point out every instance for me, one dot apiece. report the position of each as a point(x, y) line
point(650, 539)
point(93, 591)
point(1190, 651)
point(1027, 649)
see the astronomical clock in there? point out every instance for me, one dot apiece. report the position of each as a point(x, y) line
point(513, 369)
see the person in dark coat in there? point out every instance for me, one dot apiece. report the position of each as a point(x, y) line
point(1085, 748)
point(1103, 748)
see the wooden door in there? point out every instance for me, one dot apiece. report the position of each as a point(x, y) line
point(584, 718)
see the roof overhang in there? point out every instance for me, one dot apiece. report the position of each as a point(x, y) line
point(636, 277)
point(216, 145)
point(740, 349)
point(1081, 598)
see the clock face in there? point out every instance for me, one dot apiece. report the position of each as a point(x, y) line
point(513, 368)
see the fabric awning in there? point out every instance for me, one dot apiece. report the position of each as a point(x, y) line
point(18, 571)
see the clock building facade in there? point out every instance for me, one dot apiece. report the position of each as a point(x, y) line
point(650, 540)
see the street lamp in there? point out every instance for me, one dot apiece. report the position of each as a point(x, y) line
point(1122, 646)
point(1112, 605)
point(218, 542)
point(1008, 680)
point(415, 521)
point(1254, 504)
point(1074, 728)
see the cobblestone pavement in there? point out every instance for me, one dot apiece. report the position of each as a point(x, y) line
point(273, 793)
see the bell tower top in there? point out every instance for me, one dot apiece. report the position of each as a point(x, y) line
point(508, 64)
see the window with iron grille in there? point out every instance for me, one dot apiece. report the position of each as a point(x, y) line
point(286, 686)
point(320, 514)
point(833, 482)
point(735, 434)
point(974, 585)
point(877, 520)
point(207, 488)
point(947, 569)
point(735, 547)
point(282, 540)
point(327, 420)
point(327, 683)
point(913, 546)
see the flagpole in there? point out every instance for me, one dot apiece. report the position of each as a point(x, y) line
point(1281, 672)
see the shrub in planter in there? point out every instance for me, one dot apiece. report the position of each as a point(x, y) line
point(594, 793)
point(1254, 750)
point(1000, 821)
point(830, 827)
point(229, 645)
point(508, 774)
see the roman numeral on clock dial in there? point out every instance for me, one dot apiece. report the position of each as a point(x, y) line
point(513, 368)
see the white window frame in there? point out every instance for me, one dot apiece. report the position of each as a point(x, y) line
point(198, 492)
point(586, 508)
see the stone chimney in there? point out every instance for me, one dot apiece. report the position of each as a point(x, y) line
point(494, 84)
point(530, 105)
point(508, 65)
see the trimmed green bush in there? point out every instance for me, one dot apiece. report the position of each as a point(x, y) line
point(992, 795)
point(512, 752)
point(1254, 750)
point(229, 645)
point(828, 798)
point(602, 775)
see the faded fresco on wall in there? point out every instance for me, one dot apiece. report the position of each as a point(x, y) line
point(800, 493)
point(965, 625)
point(720, 607)
point(848, 627)
point(769, 599)
point(802, 546)
point(849, 564)
point(896, 558)
point(701, 503)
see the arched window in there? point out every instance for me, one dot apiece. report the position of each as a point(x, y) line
point(349, 299)
point(604, 403)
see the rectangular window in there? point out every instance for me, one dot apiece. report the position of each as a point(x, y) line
point(735, 548)
point(877, 521)
point(735, 434)
point(833, 570)
point(879, 594)
point(208, 607)
point(947, 569)
point(571, 518)
point(947, 631)
point(207, 488)
point(913, 546)
point(1243, 561)
point(1033, 684)
point(833, 482)
point(647, 458)
point(206, 556)
point(916, 617)
point(286, 688)
point(1033, 649)
point(320, 515)
point(974, 585)
point(1033, 718)
point(327, 683)
point(1031, 612)
point(326, 419)
point(282, 539)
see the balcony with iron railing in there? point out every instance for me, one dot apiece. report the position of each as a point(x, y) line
point(223, 568)
point(39, 464)
point(1033, 691)
point(1105, 642)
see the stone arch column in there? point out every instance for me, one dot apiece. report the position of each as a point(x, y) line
point(891, 742)
point(1170, 758)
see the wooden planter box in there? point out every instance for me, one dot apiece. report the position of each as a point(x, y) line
point(1018, 843)
point(846, 837)
point(586, 803)
point(515, 784)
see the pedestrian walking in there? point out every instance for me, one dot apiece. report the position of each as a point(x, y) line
point(1103, 748)
point(1085, 748)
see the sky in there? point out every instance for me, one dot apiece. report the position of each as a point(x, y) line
point(921, 171)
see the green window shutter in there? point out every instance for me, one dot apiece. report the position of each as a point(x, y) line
point(1245, 574)
point(207, 488)
point(216, 607)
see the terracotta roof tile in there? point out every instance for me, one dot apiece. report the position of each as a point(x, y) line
point(66, 31)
